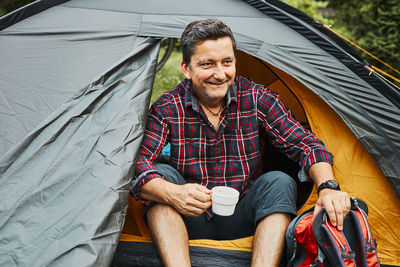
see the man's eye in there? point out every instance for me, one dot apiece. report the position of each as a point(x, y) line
point(206, 64)
point(228, 62)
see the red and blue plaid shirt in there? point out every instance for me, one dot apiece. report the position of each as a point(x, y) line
point(230, 156)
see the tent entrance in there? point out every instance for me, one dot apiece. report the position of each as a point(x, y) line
point(135, 241)
point(263, 73)
point(354, 168)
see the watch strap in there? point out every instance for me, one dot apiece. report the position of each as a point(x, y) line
point(330, 184)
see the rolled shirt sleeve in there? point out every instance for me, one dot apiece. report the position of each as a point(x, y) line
point(154, 139)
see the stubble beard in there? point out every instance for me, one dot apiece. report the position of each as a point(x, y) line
point(215, 99)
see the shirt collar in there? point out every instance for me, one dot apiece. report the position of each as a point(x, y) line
point(232, 93)
point(190, 99)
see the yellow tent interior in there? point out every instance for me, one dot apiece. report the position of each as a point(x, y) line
point(354, 168)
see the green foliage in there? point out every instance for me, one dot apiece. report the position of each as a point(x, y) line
point(375, 26)
point(372, 24)
point(169, 76)
point(6, 6)
point(311, 8)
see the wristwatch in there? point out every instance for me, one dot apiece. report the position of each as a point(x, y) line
point(331, 184)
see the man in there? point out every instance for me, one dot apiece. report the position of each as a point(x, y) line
point(213, 121)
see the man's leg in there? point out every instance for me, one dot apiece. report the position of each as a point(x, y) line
point(169, 234)
point(269, 239)
point(273, 196)
point(167, 227)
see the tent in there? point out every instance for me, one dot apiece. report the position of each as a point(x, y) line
point(75, 84)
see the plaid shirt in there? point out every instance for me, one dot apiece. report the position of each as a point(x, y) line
point(232, 155)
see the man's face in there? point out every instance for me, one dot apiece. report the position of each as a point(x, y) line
point(212, 69)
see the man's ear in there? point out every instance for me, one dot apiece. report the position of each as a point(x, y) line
point(185, 69)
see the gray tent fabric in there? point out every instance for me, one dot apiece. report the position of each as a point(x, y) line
point(62, 188)
point(262, 29)
point(52, 58)
point(69, 135)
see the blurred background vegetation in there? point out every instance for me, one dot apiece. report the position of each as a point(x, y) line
point(169, 75)
point(372, 24)
point(6, 6)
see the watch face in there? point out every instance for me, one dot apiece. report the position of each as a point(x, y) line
point(332, 184)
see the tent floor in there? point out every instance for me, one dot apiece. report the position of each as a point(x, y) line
point(144, 254)
point(141, 254)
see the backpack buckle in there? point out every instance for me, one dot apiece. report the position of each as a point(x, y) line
point(318, 261)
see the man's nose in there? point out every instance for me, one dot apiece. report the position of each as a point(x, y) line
point(219, 72)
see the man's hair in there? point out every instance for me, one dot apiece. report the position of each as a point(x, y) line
point(199, 31)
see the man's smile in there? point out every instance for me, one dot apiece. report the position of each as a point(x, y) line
point(213, 82)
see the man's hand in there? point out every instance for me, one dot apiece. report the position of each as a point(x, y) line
point(191, 199)
point(188, 199)
point(337, 205)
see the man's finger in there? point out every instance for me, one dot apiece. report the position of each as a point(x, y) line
point(347, 203)
point(200, 196)
point(339, 208)
point(331, 211)
point(197, 212)
point(202, 205)
point(346, 206)
point(199, 200)
point(203, 189)
point(198, 208)
point(198, 192)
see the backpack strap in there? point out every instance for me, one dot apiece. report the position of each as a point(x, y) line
point(332, 242)
point(314, 241)
point(339, 242)
point(368, 251)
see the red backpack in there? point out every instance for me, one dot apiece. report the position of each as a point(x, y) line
point(318, 243)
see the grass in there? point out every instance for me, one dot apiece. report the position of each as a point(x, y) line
point(169, 76)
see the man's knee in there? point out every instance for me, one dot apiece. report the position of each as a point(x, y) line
point(276, 180)
point(276, 192)
point(170, 173)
